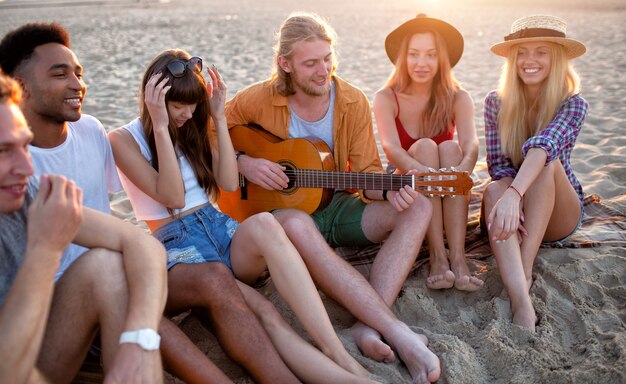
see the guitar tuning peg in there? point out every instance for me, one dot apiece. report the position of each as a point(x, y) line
point(430, 195)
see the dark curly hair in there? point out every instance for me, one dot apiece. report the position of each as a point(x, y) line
point(19, 44)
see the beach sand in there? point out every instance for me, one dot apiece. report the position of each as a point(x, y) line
point(579, 291)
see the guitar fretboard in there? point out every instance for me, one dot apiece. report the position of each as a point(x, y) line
point(438, 183)
point(307, 178)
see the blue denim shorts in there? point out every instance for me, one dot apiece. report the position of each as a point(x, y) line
point(560, 243)
point(201, 236)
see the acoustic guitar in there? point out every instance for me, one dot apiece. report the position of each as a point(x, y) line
point(312, 177)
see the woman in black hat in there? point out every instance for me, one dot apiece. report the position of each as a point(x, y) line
point(417, 112)
point(532, 120)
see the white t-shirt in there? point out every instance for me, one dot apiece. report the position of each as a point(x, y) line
point(85, 157)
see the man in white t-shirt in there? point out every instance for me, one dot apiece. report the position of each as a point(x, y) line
point(117, 288)
point(80, 151)
point(66, 142)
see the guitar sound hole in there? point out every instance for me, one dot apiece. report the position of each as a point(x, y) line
point(290, 171)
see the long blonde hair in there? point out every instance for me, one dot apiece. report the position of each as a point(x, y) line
point(299, 27)
point(513, 119)
point(437, 117)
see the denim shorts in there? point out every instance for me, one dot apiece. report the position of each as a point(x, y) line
point(201, 236)
point(559, 243)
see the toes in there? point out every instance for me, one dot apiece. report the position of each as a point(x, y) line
point(441, 281)
point(468, 283)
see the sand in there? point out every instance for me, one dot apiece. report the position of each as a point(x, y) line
point(579, 291)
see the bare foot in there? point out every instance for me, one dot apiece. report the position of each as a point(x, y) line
point(468, 283)
point(464, 281)
point(370, 343)
point(525, 318)
point(441, 280)
point(412, 348)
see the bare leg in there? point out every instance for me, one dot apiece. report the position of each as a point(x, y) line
point(455, 222)
point(212, 286)
point(440, 276)
point(348, 287)
point(541, 209)
point(252, 247)
point(309, 364)
point(184, 360)
point(91, 295)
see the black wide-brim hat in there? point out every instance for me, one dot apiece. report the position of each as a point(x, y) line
point(421, 22)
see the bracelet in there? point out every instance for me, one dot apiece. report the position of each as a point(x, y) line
point(515, 189)
point(385, 194)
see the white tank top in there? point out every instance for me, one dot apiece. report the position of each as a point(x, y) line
point(145, 207)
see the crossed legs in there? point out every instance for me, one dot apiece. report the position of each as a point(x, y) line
point(348, 287)
point(212, 286)
point(545, 218)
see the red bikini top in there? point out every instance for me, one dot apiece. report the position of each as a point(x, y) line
point(406, 141)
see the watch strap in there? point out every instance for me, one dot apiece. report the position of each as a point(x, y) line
point(148, 339)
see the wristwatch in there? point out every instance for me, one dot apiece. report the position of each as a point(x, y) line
point(147, 338)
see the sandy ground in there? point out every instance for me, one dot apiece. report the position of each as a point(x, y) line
point(579, 292)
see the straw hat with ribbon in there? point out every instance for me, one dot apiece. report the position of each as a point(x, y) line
point(539, 28)
point(452, 37)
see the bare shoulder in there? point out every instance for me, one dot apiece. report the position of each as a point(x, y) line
point(383, 96)
point(463, 97)
point(119, 134)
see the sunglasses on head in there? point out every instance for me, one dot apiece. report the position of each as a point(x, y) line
point(178, 68)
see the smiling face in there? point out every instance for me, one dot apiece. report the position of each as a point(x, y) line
point(180, 112)
point(15, 161)
point(53, 84)
point(310, 67)
point(533, 63)
point(422, 58)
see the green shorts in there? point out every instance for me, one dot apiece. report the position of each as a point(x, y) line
point(340, 221)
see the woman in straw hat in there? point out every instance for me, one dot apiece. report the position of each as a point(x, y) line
point(531, 125)
point(417, 112)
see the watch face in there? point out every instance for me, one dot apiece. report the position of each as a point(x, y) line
point(149, 339)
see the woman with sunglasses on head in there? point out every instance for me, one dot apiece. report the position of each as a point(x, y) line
point(171, 167)
point(417, 112)
point(531, 124)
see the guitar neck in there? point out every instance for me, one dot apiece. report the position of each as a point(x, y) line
point(308, 178)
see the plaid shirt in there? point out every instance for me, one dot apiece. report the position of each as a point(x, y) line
point(557, 139)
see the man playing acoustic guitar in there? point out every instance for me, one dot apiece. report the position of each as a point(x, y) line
point(304, 98)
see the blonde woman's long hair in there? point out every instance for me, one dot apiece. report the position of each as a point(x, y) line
point(513, 119)
point(437, 117)
point(299, 27)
